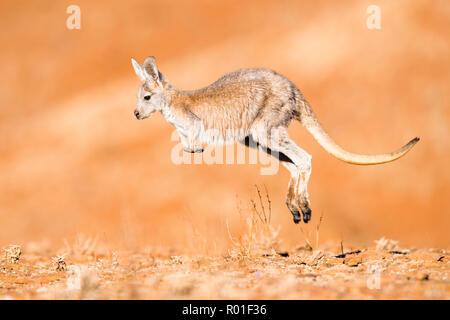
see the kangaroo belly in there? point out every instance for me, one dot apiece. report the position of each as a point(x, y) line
point(220, 135)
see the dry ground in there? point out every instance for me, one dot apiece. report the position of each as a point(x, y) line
point(154, 274)
point(73, 158)
point(256, 266)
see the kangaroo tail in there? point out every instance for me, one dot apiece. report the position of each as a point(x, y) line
point(310, 122)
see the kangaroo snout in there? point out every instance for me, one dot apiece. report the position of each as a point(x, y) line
point(136, 113)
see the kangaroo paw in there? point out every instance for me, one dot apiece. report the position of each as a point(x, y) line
point(295, 213)
point(297, 218)
point(306, 211)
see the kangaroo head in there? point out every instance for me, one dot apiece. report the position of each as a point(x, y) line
point(151, 94)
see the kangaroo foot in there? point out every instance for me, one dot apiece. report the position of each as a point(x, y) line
point(306, 211)
point(297, 217)
point(295, 213)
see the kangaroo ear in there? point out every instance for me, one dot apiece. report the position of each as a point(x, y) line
point(151, 69)
point(140, 72)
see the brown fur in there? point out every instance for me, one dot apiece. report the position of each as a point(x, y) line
point(256, 104)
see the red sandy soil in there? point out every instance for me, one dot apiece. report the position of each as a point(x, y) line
point(301, 273)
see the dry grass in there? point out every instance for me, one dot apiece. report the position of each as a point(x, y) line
point(12, 253)
point(254, 267)
point(260, 238)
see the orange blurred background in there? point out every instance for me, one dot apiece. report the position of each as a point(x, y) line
point(74, 160)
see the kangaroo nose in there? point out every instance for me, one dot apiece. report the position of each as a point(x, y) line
point(136, 113)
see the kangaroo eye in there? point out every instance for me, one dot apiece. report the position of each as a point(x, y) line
point(147, 97)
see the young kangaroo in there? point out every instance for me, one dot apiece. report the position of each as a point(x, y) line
point(251, 106)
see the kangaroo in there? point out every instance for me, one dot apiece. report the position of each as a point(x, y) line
point(253, 107)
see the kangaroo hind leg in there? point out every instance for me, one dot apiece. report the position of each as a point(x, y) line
point(298, 162)
point(251, 142)
point(291, 193)
point(302, 161)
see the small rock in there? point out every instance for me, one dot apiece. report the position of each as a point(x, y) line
point(353, 261)
point(421, 276)
point(332, 261)
point(372, 255)
point(310, 259)
point(314, 258)
point(176, 259)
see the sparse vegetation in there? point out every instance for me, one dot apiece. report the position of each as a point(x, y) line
point(260, 238)
point(59, 264)
point(254, 267)
point(12, 253)
point(254, 274)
